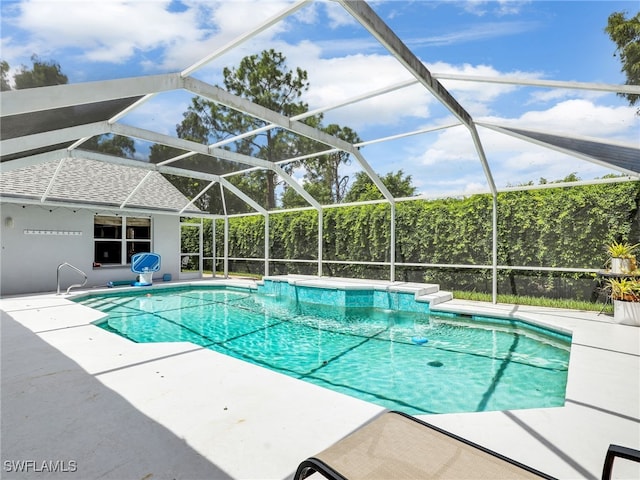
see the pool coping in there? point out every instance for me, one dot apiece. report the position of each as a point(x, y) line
point(290, 419)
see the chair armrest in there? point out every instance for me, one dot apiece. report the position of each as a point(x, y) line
point(618, 451)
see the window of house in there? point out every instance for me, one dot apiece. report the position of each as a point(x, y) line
point(116, 239)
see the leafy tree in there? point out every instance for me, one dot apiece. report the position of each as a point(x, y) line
point(318, 190)
point(572, 177)
point(363, 189)
point(625, 33)
point(49, 73)
point(398, 184)
point(4, 76)
point(265, 80)
point(42, 74)
point(325, 170)
point(323, 179)
point(112, 145)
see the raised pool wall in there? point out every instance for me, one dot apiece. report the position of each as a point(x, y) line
point(385, 297)
point(346, 296)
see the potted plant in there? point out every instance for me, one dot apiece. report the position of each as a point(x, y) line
point(622, 258)
point(625, 294)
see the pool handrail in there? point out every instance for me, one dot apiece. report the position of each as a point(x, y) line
point(79, 285)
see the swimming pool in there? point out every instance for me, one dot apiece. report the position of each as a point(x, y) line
point(373, 353)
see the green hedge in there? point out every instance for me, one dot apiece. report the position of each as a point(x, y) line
point(555, 227)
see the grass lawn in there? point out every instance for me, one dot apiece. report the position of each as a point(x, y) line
point(535, 301)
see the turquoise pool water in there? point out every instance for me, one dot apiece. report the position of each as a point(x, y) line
point(468, 364)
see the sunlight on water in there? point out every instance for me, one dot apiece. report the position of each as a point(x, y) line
point(464, 365)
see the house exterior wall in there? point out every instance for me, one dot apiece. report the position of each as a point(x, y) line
point(29, 262)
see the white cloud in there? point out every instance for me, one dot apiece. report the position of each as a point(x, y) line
point(581, 117)
point(451, 145)
point(499, 8)
point(448, 160)
point(488, 90)
point(107, 31)
point(161, 113)
point(231, 20)
point(514, 161)
point(548, 95)
point(340, 78)
point(473, 33)
point(116, 30)
point(236, 17)
point(338, 16)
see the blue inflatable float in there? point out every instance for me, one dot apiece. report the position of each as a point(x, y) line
point(419, 340)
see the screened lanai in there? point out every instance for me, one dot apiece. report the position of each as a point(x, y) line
point(45, 133)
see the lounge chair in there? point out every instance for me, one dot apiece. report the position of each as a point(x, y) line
point(395, 445)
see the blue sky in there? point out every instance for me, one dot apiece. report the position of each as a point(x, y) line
point(548, 40)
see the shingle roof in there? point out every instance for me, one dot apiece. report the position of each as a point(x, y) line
point(94, 183)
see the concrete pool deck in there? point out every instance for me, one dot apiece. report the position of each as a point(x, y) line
point(104, 407)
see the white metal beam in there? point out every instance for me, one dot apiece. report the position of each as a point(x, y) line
point(507, 128)
point(532, 82)
point(245, 36)
point(518, 188)
point(131, 107)
point(267, 251)
point(209, 177)
point(52, 180)
point(53, 137)
point(97, 207)
point(217, 152)
point(363, 13)
point(243, 196)
point(407, 134)
point(283, 162)
point(374, 177)
point(243, 105)
point(103, 157)
point(200, 194)
point(15, 102)
point(596, 181)
point(169, 171)
point(387, 37)
point(136, 188)
point(310, 113)
point(359, 98)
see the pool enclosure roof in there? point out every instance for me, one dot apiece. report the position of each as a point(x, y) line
point(43, 131)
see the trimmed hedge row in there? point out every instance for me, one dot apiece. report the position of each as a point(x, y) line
point(555, 227)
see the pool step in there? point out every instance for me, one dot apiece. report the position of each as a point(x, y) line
point(419, 289)
point(435, 298)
